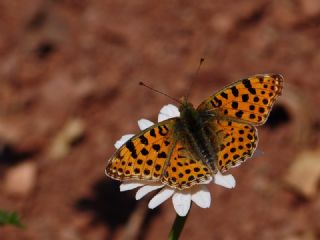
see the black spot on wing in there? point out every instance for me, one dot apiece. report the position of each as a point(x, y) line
point(163, 130)
point(260, 79)
point(131, 148)
point(143, 140)
point(144, 152)
point(235, 91)
point(261, 110)
point(252, 90)
point(156, 147)
point(162, 155)
point(158, 167)
point(218, 102)
point(224, 95)
point(239, 114)
point(247, 83)
point(245, 97)
point(234, 105)
point(152, 133)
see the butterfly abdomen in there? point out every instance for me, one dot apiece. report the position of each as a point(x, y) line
point(191, 130)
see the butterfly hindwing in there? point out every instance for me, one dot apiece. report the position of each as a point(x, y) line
point(235, 143)
point(183, 170)
point(248, 100)
point(144, 155)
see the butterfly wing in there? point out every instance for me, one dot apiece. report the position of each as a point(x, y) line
point(248, 100)
point(143, 156)
point(237, 109)
point(184, 169)
point(156, 154)
point(236, 142)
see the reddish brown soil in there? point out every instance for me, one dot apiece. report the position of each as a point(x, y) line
point(65, 59)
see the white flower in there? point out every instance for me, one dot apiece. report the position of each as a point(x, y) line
point(199, 194)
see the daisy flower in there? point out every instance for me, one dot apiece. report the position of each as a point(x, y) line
point(181, 199)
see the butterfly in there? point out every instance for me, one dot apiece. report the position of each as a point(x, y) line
point(217, 135)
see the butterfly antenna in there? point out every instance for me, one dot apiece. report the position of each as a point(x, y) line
point(144, 85)
point(196, 76)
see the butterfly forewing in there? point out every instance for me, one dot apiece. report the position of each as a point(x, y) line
point(248, 100)
point(143, 156)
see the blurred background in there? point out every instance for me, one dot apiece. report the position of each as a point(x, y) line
point(69, 73)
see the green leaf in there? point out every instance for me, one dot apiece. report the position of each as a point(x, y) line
point(9, 218)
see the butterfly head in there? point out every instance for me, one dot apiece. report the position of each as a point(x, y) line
point(184, 103)
point(186, 108)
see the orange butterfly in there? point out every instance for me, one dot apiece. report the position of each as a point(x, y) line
point(187, 150)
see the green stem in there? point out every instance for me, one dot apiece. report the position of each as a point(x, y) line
point(177, 227)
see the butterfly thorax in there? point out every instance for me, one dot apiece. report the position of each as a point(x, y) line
point(191, 130)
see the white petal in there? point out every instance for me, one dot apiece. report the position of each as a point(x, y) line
point(123, 140)
point(227, 181)
point(182, 202)
point(168, 111)
point(126, 186)
point(144, 124)
point(162, 196)
point(201, 196)
point(146, 189)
